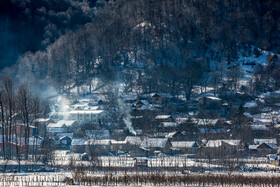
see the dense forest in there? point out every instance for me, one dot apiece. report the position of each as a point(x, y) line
point(156, 45)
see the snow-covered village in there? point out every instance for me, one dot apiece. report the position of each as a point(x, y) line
point(139, 93)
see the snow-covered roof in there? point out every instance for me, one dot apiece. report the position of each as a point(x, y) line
point(57, 130)
point(263, 121)
point(118, 142)
point(212, 131)
point(211, 98)
point(218, 143)
point(92, 108)
point(259, 127)
point(86, 111)
point(77, 141)
point(168, 124)
point(212, 122)
point(79, 106)
point(163, 116)
point(133, 140)
point(181, 119)
point(271, 145)
point(147, 107)
point(250, 104)
point(144, 102)
point(99, 134)
point(143, 24)
point(63, 137)
point(183, 144)
point(98, 142)
point(61, 124)
point(154, 142)
point(42, 120)
point(129, 97)
point(60, 135)
point(253, 147)
point(248, 115)
point(164, 95)
point(260, 141)
point(275, 94)
point(171, 134)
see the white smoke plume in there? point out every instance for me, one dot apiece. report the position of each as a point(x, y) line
point(124, 111)
point(60, 107)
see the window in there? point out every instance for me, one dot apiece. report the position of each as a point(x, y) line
point(120, 146)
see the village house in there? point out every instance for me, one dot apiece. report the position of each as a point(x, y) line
point(129, 98)
point(62, 126)
point(117, 146)
point(86, 116)
point(133, 146)
point(164, 118)
point(225, 143)
point(263, 147)
point(78, 145)
point(250, 107)
point(183, 147)
point(153, 145)
point(223, 147)
point(210, 101)
point(98, 147)
point(21, 129)
point(267, 148)
point(63, 143)
point(161, 98)
point(141, 103)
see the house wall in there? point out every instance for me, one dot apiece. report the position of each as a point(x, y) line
point(117, 147)
point(265, 151)
point(188, 150)
point(78, 148)
point(274, 162)
point(85, 118)
point(98, 149)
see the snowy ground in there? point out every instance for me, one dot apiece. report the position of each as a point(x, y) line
point(122, 165)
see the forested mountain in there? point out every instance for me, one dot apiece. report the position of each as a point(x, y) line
point(31, 25)
point(156, 45)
